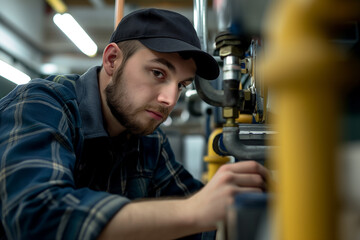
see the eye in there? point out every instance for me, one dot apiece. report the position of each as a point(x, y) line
point(158, 74)
point(183, 85)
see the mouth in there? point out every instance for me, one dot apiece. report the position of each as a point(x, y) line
point(155, 115)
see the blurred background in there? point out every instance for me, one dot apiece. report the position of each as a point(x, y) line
point(295, 108)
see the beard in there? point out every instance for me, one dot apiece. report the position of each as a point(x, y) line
point(119, 103)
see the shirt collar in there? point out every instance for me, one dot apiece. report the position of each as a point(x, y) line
point(87, 90)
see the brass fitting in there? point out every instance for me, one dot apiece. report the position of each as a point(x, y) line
point(230, 50)
point(230, 112)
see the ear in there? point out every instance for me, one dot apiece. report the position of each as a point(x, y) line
point(111, 57)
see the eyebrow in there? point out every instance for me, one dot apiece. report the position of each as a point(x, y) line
point(169, 65)
point(165, 62)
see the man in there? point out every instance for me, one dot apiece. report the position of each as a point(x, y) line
point(82, 157)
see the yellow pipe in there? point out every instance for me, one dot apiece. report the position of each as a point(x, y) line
point(303, 71)
point(306, 184)
point(213, 159)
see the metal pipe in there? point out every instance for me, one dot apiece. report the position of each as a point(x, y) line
point(240, 151)
point(205, 90)
point(231, 80)
point(200, 25)
point(208, 93)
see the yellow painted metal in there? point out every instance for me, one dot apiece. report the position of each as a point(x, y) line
point(213, 159)
point(306, 191)
point(58, 5)
point(303, 70)
point(244, 118)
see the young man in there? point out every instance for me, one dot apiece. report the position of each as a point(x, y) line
point(82, 157)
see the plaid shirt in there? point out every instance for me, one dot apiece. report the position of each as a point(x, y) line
point(61, 175)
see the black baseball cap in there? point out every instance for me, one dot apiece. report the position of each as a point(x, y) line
point(166, 31)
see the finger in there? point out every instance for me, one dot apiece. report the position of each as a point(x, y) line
point(250, 180)
point(248, 167)
point(249, 190)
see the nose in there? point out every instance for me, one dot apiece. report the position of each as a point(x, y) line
point(169, 95)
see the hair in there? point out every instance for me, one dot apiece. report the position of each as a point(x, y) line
point(128, 48)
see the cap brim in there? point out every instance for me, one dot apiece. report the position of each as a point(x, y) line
point(207, 66)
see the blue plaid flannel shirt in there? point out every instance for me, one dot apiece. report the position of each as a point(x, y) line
point(61, 175)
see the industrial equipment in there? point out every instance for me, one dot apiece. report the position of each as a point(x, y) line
point(309, 65)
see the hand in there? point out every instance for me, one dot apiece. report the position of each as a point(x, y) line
point(196, 214)
point(210, 204)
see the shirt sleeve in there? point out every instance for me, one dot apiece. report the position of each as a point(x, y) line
point(172, 179)
point(39, 142)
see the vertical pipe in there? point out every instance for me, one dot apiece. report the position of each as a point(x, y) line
point(231, 80)
point(200, 16)
point(200, 24)
point(119, 11)
point(303, 70)
point(306, 184)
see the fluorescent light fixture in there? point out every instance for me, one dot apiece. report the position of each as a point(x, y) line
point(74, 31)
point(13, 74)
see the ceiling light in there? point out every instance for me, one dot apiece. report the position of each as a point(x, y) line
point(13, 74)
point(74, 31)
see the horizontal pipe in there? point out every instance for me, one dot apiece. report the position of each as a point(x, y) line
point(240, 151)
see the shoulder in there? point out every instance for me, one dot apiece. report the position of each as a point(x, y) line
point(54, 88)
point(42, 100)
point(61, 85)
